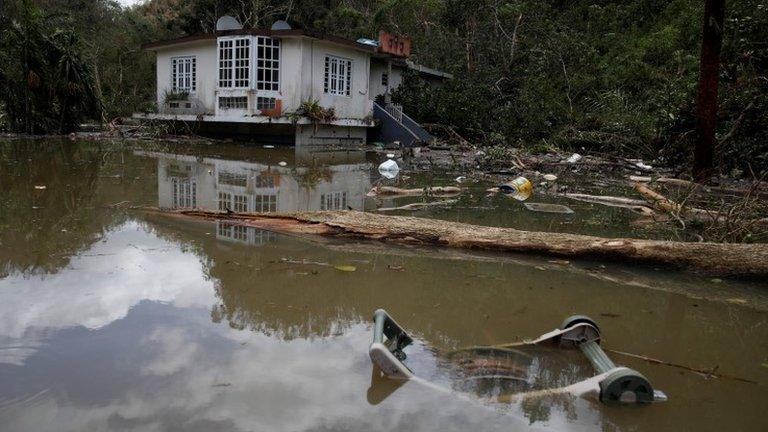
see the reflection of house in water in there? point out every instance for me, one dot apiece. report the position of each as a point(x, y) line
point(185, 181)
point(243, 234)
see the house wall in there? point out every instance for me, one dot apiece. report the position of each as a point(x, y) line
point(310, 135)
point(205, 53)
point(302, 69)
point(357, 105)
point(291, 73)
point(377, 69)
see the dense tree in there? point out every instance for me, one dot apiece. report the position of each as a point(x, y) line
point(45, 85)
point(602, 75)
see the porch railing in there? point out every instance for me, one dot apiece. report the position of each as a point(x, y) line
point(395, 111)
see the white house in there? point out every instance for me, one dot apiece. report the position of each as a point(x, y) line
point(260, 78)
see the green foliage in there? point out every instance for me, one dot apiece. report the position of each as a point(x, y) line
point(45, 84)
point(312, 110)
point(604, 75)
point(171, 95)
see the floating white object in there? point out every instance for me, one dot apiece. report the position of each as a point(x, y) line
point(390, 155)
point(389, 169)
point(550, 177)
point(460, 179)
point(283, 163)
point(268, 146)
point(574, 158)
point(548, 208)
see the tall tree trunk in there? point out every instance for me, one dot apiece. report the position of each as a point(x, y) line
point(706, 101)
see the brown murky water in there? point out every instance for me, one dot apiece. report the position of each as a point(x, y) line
point(111, 319)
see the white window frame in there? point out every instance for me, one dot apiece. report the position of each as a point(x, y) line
point(265, 203)
point(337, 75)
point(184, 74)
point(184, 192)
point(336, 200)
point(233, 61)
point(224, 63)
point(262, 85)
point(227, 103)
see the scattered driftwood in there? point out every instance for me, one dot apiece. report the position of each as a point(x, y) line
point(663, 203)
point(635, 205)
point(711, 258)
point(431, 127)
point(418, 205)
point(695, 187)
point(396, 191)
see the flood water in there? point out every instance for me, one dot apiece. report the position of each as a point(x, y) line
point(118, 319)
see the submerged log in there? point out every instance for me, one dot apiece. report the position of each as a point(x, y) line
point(711, 258)
point(419, 205)
point(635, 205)
point(396, 191)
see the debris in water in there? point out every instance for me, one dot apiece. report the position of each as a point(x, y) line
point(395, 191)
point(548, 208)
point(550, 177)
point(707, 373)
point(389, 169)
point(574, 158)
point(460, 179)
point(396, 267)
point(268, 146)
point(283, 163)
point(40, 187)
point(643, 166)
point(520, 188)
point(419, 205)
point(345, 268)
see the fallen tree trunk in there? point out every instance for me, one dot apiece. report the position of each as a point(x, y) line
point(711, 258)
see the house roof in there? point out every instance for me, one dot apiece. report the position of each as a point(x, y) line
point(366, 47)
point(153, 46)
